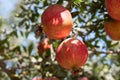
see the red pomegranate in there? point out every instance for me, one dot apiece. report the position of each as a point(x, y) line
point(51, 78)
point(112, 29)
point(113, 8)
point(56, 21)
point(71, 54)
point(37, 78)
point(83, 78)
point(43, 45)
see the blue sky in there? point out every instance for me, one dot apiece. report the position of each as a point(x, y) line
point(6, 7)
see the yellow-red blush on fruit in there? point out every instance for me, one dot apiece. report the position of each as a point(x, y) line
point(113, 8)
point(57, 22)
point(71, 54)
point(43, 46)
point(112, 29)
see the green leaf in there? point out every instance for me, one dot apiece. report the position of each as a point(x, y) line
point(30, 48)
point(77, 1)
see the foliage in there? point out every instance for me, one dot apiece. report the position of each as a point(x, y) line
point(19, 57)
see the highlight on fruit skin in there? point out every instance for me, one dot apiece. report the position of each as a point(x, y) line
point(43, 46)
point(112, 29)
point(113, 8)
point(57, 22)
point(71, 54)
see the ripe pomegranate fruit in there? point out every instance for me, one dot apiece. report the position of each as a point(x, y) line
point(51, 78)
point(56, 21)
point(113, 8)
point(71, 54)
point(37, 78)
point(83, 78)
point(43, 46)
point(112, 29)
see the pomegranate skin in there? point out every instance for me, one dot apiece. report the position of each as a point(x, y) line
point(83, 78)
point(43, 46)
point(112, 29)
point(37, 78)
point(113, 8)
point(51, 78)
point(57, 22)
point(71, 54)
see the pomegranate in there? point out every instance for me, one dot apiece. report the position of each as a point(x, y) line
point(71, 54)
point(113, 8)
point(43, 46)
point(57, 22)
point(51, 78)
point(112, 29)
point(37, 78)
point(83, 78)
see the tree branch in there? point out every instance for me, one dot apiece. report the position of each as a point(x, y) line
point(109, 51)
